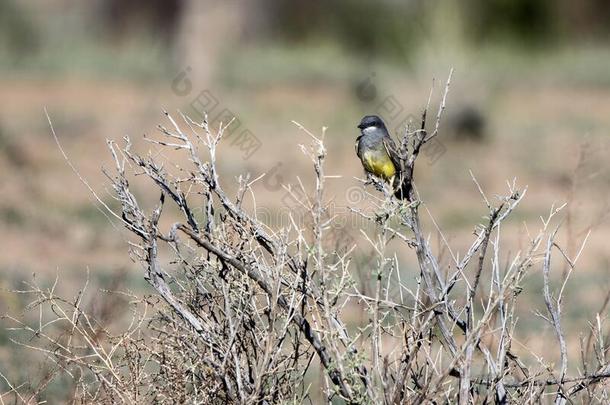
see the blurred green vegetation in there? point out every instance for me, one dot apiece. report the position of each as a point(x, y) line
point(69, 41)
point(523, 23)
point(91, 40)
point(18, 34)
point(388, 28)
point(394, 29)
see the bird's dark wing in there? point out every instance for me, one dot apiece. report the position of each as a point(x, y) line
point(401, 185)
point(356, 145)
point(392, 151)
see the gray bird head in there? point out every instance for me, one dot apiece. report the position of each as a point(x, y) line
point(370, 121)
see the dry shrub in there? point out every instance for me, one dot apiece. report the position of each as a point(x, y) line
point(248, 314)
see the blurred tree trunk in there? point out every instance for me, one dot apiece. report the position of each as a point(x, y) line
point(208, 29)
point(157, 18)
point(586, 18)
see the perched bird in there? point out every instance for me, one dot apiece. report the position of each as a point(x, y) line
point(379, 155)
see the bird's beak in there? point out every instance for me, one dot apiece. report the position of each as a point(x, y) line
point(361, 126)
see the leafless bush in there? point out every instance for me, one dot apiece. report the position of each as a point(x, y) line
point(247, 313)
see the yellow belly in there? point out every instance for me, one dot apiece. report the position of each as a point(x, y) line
point(380, 166)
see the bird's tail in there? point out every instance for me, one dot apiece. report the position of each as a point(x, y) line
point(402, 187)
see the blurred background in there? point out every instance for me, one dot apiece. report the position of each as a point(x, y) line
point(530, 100)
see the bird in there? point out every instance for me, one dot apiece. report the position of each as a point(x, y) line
point(379, 156)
